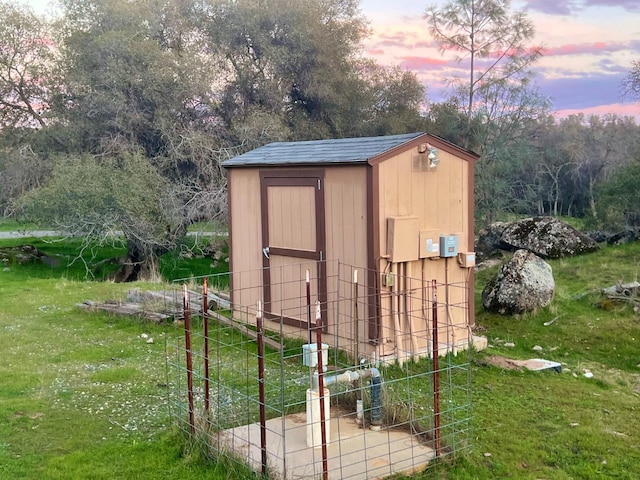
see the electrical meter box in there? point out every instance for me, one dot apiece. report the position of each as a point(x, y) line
point(429, 243)
point(467, 259)
point(449, 246)
point(310, 355)
point(402, 233)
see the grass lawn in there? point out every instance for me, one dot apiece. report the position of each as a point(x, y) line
point(547, 425)
point(83, 395)
point(13, 226)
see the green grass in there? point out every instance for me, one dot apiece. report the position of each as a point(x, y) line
point(212, 226)
point(7, 225)
point(560, 426)
point(185, 262)
point(65, 259)
point(83, 395)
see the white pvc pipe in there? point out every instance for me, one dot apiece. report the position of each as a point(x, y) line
point(359, 412)
point(348, 376)
point(314, 424)
point(395, 301)
point(409, 312)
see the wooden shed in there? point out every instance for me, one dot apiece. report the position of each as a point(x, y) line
point(399, 209)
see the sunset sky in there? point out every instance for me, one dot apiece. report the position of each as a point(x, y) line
point(588, 49)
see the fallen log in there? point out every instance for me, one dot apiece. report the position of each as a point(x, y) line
point(622, 289)
point(172, 302)
point(125, 309)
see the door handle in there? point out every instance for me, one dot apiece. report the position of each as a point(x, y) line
point(265, 252)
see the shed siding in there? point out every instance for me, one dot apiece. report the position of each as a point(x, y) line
point(439, 198)
point(346, 220)
point(346, 198)
point(246, 246)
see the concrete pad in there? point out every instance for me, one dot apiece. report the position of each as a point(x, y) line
point(353, 452)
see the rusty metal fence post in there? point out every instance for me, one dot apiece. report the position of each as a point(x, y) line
point(261, 393)
point(436, 370)
point(187, 341)
point(205, 327)
point(323, 429)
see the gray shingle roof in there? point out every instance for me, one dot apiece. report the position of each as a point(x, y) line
point(343, 150)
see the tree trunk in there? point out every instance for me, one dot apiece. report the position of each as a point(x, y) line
point(139, 265)
point(592, 197)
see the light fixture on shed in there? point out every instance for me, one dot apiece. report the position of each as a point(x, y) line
point(423, 147)
point(434, 160)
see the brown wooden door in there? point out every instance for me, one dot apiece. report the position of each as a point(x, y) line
point(293, 239)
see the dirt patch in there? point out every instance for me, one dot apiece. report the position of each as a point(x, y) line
point(502, 362)
point(32, 416)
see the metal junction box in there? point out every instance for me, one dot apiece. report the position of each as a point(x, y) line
point(449, 246)
point(402, 236)
point(467, 259)
point(429, 243)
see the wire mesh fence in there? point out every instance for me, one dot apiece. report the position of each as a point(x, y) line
point(348, 388)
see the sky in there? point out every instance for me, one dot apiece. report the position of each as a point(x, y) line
point(588, 46)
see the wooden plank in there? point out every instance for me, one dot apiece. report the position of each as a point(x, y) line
point(137, 309)
point(242, 328)
point(125, 309)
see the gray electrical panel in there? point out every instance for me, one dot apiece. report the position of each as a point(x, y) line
point(449, 246)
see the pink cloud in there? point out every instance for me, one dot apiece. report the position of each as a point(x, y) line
point(421, 63)
point(394, 33)
point(431, 44)
point(375, 51)
point(397, 37)
point(515, 52)
point(401, 39)
point(622, 109)
point(584, 48)
point(391, 43)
